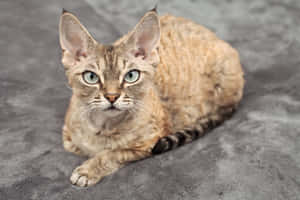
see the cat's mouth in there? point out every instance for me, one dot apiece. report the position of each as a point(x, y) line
point(112, 108)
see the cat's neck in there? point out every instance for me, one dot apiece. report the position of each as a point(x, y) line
point(102, 120)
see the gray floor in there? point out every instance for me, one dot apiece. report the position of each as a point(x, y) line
point(255, 155)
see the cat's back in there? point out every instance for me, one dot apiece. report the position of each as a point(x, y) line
point(185, 44)
point(196, 67)
point(172, 26)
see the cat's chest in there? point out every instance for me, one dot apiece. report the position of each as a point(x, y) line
point(93, 141)
point(93, 138)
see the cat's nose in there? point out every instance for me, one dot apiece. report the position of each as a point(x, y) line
point(112, 97)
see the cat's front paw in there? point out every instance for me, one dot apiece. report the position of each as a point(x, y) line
point(83, 176)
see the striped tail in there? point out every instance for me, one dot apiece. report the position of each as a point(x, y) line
point(177, 139)
point(174, 140)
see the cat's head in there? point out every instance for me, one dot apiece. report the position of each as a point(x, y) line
point(112, 78)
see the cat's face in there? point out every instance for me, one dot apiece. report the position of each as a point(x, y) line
point(113, 78)
point(110, 81)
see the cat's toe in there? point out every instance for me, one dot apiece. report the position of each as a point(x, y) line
point(83, 178)
point(78, 179)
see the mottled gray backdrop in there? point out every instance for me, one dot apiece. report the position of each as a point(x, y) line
point(253, 156)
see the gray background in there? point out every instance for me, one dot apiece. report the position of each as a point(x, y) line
point(255, 155)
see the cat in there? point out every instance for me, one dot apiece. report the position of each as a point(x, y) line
point(158, 87)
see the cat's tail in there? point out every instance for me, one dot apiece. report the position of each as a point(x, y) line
point(177, 139)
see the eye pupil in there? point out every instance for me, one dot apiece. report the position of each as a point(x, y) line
point(92, 76)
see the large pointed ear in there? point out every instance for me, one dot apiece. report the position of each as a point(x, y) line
point(74, 38)
point(144, 39)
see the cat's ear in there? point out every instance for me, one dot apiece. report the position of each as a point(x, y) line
point(74, 38)
point(143, 41)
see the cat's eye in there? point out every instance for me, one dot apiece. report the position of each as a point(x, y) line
point(90, 77)
point(132, 76)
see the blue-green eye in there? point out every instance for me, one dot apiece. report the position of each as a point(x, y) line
point(90, 77)
point(132, 76)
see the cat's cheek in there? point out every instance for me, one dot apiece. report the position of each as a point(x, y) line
point(136, 91)
point(82, 90)
point(83, 95)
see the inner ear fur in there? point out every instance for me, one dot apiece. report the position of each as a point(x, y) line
point(74, 37)
point(143, 41)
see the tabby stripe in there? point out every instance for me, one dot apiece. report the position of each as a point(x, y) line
point(169, 143)
point(105, 60)
point(175, 140)
point(124, 64)
point(181, 138)
point(160, 146)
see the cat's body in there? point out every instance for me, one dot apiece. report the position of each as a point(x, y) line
point(188, 81)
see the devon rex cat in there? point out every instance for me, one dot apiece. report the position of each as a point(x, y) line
point(161, 85)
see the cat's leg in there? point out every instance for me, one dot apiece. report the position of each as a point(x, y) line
point(103, 164)
point(68, 144)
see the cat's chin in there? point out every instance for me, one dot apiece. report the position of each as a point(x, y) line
point(97, 113)
point(111, 112)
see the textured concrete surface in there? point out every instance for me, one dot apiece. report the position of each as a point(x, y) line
point(253, 156)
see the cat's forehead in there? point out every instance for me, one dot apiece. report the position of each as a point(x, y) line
point(110, 61)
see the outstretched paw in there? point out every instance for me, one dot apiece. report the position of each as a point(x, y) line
point(83, 176)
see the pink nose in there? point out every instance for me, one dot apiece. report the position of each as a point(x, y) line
point(111, 97)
